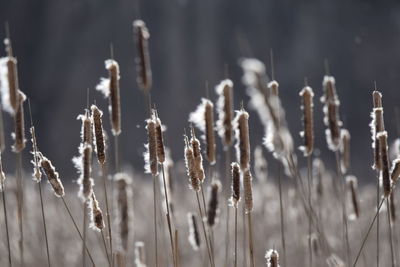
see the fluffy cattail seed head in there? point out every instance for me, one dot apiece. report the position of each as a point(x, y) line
point(9, 81)
point(84, 165)
point(235, 170)
point(194, 235)
point(345, 150)
point(272, 257)
point(241, 124)
point(19, 123)
point(144, 76)
point(198, 158)
point(52, 176)
point(212, 210)
point(307, 95)
point(395, 172)
point(37, 174)
point(151, 164)
point(86, 130)
point(377, 125)
point(225, 111)
point(248, 191)
point(382, 138)
point(98, 134)
point(160, 141)
point(190, 167)
point(96, 215)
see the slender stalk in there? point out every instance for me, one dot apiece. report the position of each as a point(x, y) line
point(176, 248)
point(84, 234)
point(204, 229)
point(105, 247)
point(281, 213)
point(168, 215)
point(251, 243)
point(6, 222)
point(77, 229)
point(309, 178)
point(227, 170)
point(20, 197)
point(155, 220)
point(377, 219)
point(44, 224)
point(390, 233)
point(103, 174)
point(235, 265)
point(244, 237)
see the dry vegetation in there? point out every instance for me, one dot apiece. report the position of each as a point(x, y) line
point(226, 209)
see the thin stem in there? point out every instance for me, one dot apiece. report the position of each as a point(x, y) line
point(309, 173)
point(155, 219)
point(390, 234)
point(103, 174)
point(377, 222)
point(235, 265)
point(227, 168)
point(105, 247)
point(6, 222)
point(77, 229)
point(244, 237)
point(116, 153)
point(44, 224)
point(168, 214)
point(204, 229)
point(281, 213)
point(251, 244)
point(84, 234)
point(20, 197)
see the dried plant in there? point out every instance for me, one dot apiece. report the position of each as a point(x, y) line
point(225, 111)
point(194, 235)
point(52, 176)
point(241, 125)
point(352, 183)
point(98, 134)
point(307, 95)
point(150, 156)
point(194, 181)
point(345, 150)
point(382, 137)
point(143, 68)
point(235, 170)
point(96, 215)
point(212, 210)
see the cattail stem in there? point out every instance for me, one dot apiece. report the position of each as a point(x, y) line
point(309, 178)
point(236, 215)
point(20, 197)
point(6, 222)
point(104, 177)
point(155, 219)
point(204, 229)
point(227, 170)
point(105, 247)
point(251, 243)
point(44, 224)
point(168, 214)
point(282, 221)
point(377, 219)
point(77, 229)
point(390, 233)
point(244, 237)
point(116, 153)
point(84, 234)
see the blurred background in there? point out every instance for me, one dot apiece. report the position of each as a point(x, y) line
point(61, 47)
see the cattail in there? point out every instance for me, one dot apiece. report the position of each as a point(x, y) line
point(395, 172)
point(194, 235)
point(212, 210)
point(260, 164)
point(352, 183)
point(19, 121)
point(140, 255)
point(241, 124)
point(142, 58)
point(248, 191)
point(37, 174)
point(377, 125)
point(160, 141)
point(198, 159)
point(394, 149)
point(225, 110)
point(98, 134)
point(273, 87)
point(377, 99)
point(392, 207)
point(52, 176)
point(190, 167)
point(96, 215)
point(331, 111)
point(318, 173)
point(84, 165)
point(9, 81)
point(110, 89)
point(307, 95)
point(345, 150)
point(86, 130)
point(203, 118)
point(123, 198)
point(235, 170)
point(150, 156)
point(272, 257)
point(382, 137)
point(2, 175)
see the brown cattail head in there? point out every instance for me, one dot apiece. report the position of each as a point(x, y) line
point(150, 156)
point(377, 99)
point(52, 176)
point(241, 124)
point(235, 170)
point(84, 165)
point(190, 166)
point(98, 134)
point(19, 124)
point(37, 174)
point(198, 158)
point(212, 210)
point(86, 130)
point(123, 199)
point(352, 183)
point(345, 150)
point(194, 235)
point(143, 68)
point(203, 118)
point(9, 81)
point(377, 125)
point(225, 111)
point(307, 95)
point(395, 172)
point(272, 257)
point(382, 138)
point(96, 215)
point(140, 254)
point(160, 140)
point(2, 175)
point(331, 111)
point(392, 206)
point(273, 87)
point(248, 191)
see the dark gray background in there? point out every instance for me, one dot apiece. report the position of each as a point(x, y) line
point(61, 47)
